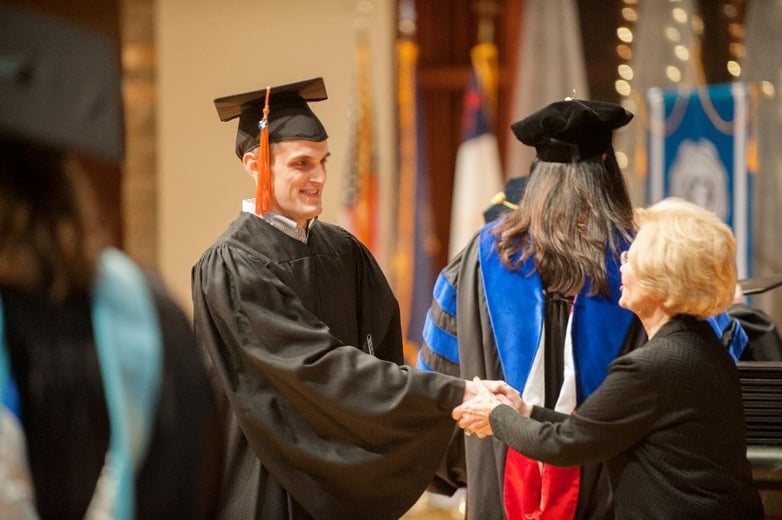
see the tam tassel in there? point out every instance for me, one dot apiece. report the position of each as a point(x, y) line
point(263, 192)
point(500, 198)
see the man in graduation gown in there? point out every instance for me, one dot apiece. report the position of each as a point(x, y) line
point(304, 338)
point(533, 300)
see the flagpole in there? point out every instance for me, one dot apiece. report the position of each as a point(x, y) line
point(478, 169)
point(487, 11)
point(403, 263)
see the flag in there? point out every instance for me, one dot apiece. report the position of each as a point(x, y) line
point(550, 68)
point(697, 142)
point(360, 204)
point(416, 242)
point(478, 172)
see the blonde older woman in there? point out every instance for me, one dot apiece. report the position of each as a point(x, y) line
point(668, 420)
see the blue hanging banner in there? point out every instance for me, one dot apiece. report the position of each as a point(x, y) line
point(698, 150)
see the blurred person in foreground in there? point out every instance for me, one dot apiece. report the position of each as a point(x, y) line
point(106, 409)
point(668, 419)
point(304, 336)
point(533, 300)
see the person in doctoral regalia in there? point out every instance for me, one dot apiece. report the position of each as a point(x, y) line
point(304, 336)
point(532, 299)
point(105, 404)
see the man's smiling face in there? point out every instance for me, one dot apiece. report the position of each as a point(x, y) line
point(298, 177)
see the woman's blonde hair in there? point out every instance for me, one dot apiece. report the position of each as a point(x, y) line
point(686, 256)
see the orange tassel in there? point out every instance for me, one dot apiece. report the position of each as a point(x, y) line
point(263, 192)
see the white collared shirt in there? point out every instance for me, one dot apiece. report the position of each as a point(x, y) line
point(281, 222)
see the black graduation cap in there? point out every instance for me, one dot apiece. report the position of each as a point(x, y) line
point(571, 130)
point(760, 284)
point(507, 199)
point(290, 116)
point(59, 84)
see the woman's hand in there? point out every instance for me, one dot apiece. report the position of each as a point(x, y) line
point(473, 415)
point(510, 396)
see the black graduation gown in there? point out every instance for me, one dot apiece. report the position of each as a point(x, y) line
point(669, 421)
point(317, 428)
point(765, 343)
point(55, 366)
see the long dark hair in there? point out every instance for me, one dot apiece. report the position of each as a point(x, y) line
point(45, 245)
point(571, 216)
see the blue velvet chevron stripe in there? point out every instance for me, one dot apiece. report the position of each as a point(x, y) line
point(445, 295)
point(440, 341)
point(721, 323)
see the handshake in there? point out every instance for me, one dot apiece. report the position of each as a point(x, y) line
point(480, 398)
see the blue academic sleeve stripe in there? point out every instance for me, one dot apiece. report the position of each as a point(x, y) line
point(441, 342)
point(445, 295)
point(739, 342)
point(720, 324)
point(421, 365)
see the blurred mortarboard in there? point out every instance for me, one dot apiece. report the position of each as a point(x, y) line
point(507, 199)
point(760, 284)
point(571, 130)
point(290, 116)
point(59, 85)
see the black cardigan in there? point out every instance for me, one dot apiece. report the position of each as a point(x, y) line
point(668, 421)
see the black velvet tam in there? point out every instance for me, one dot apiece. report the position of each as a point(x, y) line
point(571, 130)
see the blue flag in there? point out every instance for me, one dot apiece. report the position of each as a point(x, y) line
point(698, 143)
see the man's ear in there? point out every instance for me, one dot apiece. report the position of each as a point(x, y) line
point(250, 162)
